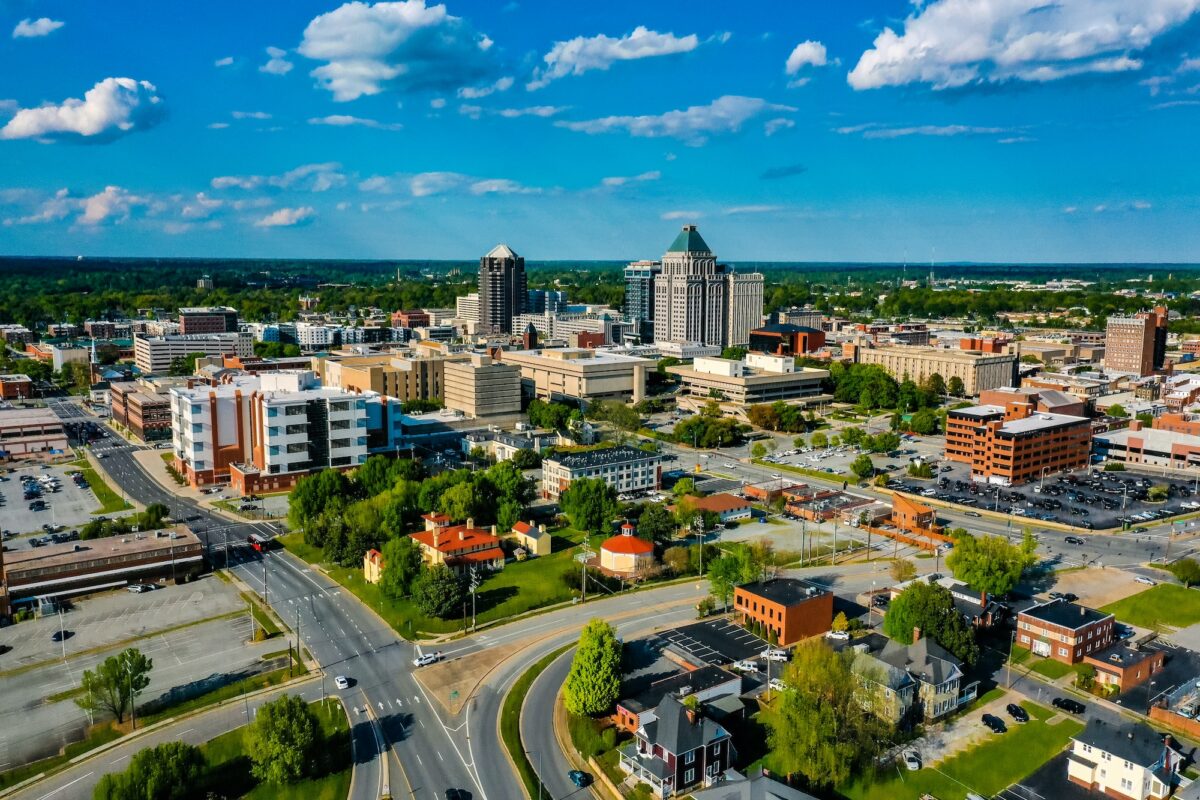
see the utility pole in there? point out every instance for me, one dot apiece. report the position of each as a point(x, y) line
point(264, 563)
point(225, 532)
point(474, 584)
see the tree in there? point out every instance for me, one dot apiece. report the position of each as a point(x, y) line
point(1117, 410)
point(677, 559)
point(818, 729)
point(1158, 493)
point(401, 566)
point(438, 592)
point(1085, 676)
point(903, 570)
point(820, 440)
point(862, 467)
point(684, 487)
point(460, 502)
point(758, 450)
point(184, 365)
point(734, 567)
point(840, 623)
point(798, 443)
point(548, 415)
point(590, 504)
point(991, 564)
point(923, 422)
point(935, 384)
point(594, 681)
point(169, 771)
point(1187, 571)
point(283, 741)
point(313, 495)
point(115, 684)
point(526, 459)
point(920, 469)
point(929, 608)
point(955, 386)
point(734, 353)
point(656, 523)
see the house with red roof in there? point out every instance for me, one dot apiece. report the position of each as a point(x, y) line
point(626, 554)
point(459, 547)
point(534, 538)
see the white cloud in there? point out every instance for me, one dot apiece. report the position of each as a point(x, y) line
point(806, 54)
point(774, 126)
point(501, 186)
point(111, 108)
point(583, 54)
point(1016, 140)
point(1189, 65)
point(376, 183)
point(250, 115)
point(314, 177)
point(474, 112)
point(1174, 104)
point(345, 120)
point(217, 126)
point(113, 204)
point(223, 62)
point(954, 43)
point(395, 46)
point(669, 215)
point(753, 209)
point(200, 207)
point(692, 125)
point(875, 131)
point(287, 217)
point(532, 111)
point(1070, 209)
point(1140, 205)
point(620, 180)
point(34, 28)
point(437, 102)
point(277, 64)
point(426, 184)
point(475, 92)
point(50, 210)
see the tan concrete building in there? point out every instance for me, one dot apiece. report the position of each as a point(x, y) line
point(1136, 344)
point(402, 377)
point(580, 374)
point(480, 387)
point(978, 371)
point(28, 431)
point(758, 378)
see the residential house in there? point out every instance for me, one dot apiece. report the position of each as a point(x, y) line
point(762, 786)
point(459, 547)
point(680, 749)
point(1130, 761)
point(372, 566)
point(706, 683)
point(1064, 631)
point(726, 506)
point(934, 691)
point(533, 538)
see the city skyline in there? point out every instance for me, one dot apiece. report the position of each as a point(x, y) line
point(855, 132)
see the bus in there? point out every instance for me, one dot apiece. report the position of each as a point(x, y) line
point(259, 542)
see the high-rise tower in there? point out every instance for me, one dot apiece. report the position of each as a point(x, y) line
point(502, 289)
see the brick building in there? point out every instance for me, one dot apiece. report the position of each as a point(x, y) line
point(208, 319)
point(30, 431)
point(781, 339)
point(1136, 345)
point(1064, 631)
point(792, 610)
point(1125, 667)
point(1014, 444)
point(15, 387)
point(146, 414)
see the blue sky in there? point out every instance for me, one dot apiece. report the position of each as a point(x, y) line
point(877, 130)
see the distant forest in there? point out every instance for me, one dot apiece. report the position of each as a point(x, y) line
point(37, 291)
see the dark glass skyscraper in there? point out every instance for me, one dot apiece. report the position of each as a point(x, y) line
point(502, 291)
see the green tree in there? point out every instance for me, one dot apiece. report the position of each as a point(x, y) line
point(526, 459)
point(169, 771)
point(677, 559)
point(920, 469)
point(283, 741)
point(313, 495)
point(115, 684)
point(734, 567)
point(460, 502)
point(590, 504)
point(840, 623)
point(1158, 493)
point(656, 523)
point(1117, 410)
point(924, 422)
point(798, 443)
point(1187, 571)
point(991, 564)
point(935, 384)
point(438, 592)
point(594, 681)
point(401, 566)
point(508, 513)
point(820, 440)
point(903, 570)
point(684, 487)
point(955, 386)
point(929, 608)
point(734, 353)
point(818, 728)
point(548, 415)
point(758, 450)
point(184, 365)
point(862, 467)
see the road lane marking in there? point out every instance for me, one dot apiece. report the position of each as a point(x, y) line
point(65, 786)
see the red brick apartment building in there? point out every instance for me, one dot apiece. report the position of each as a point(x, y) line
point(1014, 444)
point(1064, 631)
point(791, 609)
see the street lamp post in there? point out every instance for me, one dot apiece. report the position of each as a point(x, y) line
point(1008, 663)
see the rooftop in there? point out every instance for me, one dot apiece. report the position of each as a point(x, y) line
point(208, 310)
point(719, 503)
point(1067, 615)
point(60, 555)
point(1152, 438)
point(689, 241)
point(501, 251)
point(628, 544)
point(621, 454)
point(1133, 742)
point(27, 416)
point(697, 680)
point(458, 540)
point(785, 591)
point(784, 328)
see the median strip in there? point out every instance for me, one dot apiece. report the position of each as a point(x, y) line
point(510, 723)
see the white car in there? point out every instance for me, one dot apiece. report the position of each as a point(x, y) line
point(746, 665)
point(912, 761)
point(727, 465)
point(777, 685)
point(341, 682)
point(837, 636)
point(775, 654)
point(425, 660)
point(1144, 579)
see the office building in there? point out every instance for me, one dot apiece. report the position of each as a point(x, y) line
point(545, 301)
point(154, 354)
point(482, 388)
point(410, 319)
point(1048, 400)
point(142, 411)
point(639, 297)
point(793, 610)
point(63, 354)
point(978, 371)
point(262, 433)
point(207, 319)
point(502, 290)
point(1014, 444)
point(1150, 447)
point(1064, 631)
point(697, 301)
point(783, 339)
point(30, 431)
point(16, 387)
point(416, 376)
point(801, 318)
point(624, 468)
point(757, 378)
point(1136, 345)
point(1127, 760)
point(580, 374)
point(466, 307)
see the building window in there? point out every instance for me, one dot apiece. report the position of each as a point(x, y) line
point(689, 757)
point(689, 777)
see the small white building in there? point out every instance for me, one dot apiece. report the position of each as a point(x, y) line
point(1129, 760)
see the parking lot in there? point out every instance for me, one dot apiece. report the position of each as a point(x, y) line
point(70, 506)
point(1089, 499)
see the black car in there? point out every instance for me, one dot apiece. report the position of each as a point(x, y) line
point(1070, 597)
point(1068, 705)
point(458, 794)
point(1017, 713)
point(880, 601)
point(1073, 540)
point(994, 723)
point(580, 778)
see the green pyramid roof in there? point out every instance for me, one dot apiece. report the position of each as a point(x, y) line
point(689, 241)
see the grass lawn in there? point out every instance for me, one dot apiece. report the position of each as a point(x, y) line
point(521, 586)
point(1164, 604)
point(110, 501)
point(986, 768)
point(510, 721)
point(148, 714)
point(101, 735)
point(230, 766)
point(1043, 666)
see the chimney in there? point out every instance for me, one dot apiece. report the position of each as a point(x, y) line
point(437, 537)
point(691, 715)
point(493, 530)
point(916, 634)
point(470, 522)
point(1135, 424)
point(1082, 611)
point(462, 534)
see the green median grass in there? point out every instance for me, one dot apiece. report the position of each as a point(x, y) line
point(110, 501)
point(510, 723)
point(1166, 604)
point(520, 587)
point(985, 769)
point(229, 763)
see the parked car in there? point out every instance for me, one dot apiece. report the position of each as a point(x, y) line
point(1073, 540)
point(1017, 713)
point(994, 723)
point(341, 682)
point(912, 760)
point(580, 778)
point(973, 514)
point(880, 600)
point(776, 654)
point(1144, 579)
point(746, 665)
point(426, 659)
point(837, 636)
point(1068, 705)
point(60, 635)
point(777, 685)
